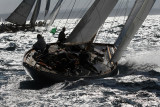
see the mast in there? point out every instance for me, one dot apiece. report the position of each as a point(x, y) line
point(36, 12)
point(91, 21)
point(47, 6)
point(137, 16)
point(54, 12)
point(20, 14)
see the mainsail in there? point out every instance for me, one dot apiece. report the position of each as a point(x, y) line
point(47, 6)
point(20, 14)
point(137, 16)
point(91, 22)
point(36, 12)
point(55, 12)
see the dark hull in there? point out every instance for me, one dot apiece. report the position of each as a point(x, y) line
point(46, 75)
point(42, 76)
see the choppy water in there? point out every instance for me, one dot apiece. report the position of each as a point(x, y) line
point(138, 82)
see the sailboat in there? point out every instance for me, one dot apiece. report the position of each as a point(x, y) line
point(19, 16)
point(54, 13)
point(21, 13)
point(102, 58)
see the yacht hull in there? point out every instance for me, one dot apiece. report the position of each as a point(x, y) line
point(42, 73)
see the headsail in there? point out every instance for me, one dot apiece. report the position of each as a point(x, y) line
point(19, 16)
point(55, 12)
point(91, 22)
point(47, 6)
point(36, 12)
point(137, 16)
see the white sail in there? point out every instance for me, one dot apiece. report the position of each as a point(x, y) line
point(36, 12)
point(20, 14)
point(55, 12)
point(91, 22)
point(1, 20)
point(47, 6)
point(137, 16)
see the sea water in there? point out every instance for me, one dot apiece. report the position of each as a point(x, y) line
point(136, 85)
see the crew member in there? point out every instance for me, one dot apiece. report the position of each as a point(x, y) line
point(62, 36)
point(40, 45)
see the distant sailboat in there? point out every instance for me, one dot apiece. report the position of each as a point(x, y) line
point(21, 13)
point(104, 57)
point(54, 12)
point(35, 13)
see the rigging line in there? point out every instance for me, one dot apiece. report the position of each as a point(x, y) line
point(58, 12)
point(48, 17)
point(85, 6)
point(98, 32)
point(82, 14)
point(79, 12)
point(123, 10)
point(139, 18)
point(65, 11)
point(116, 14)
point(78, 7)
point(55, 3)
point(70, 12)
point(120, 6)
point(126, 10)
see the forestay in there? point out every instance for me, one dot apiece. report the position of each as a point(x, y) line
point(137, 16)
point(91, 22)
point(20, 14)
point(55, 12)
point(36, 12)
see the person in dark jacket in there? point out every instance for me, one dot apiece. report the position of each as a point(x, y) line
point(40, 45)
point(62, 36)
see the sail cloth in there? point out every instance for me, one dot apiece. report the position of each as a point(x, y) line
point(55, 11)
point(91, 22)
point(20, 14)
point(36, 12)
point(137, 16)
point(47, 6)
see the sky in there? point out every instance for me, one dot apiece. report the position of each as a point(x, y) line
point(7, 6)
